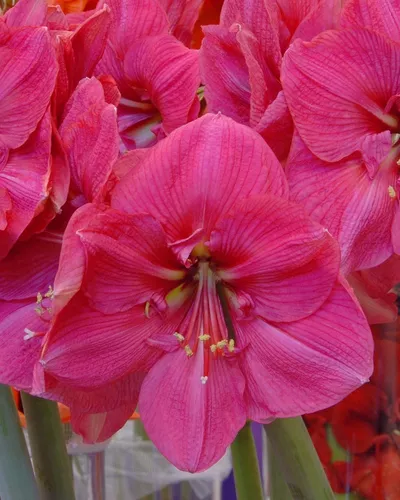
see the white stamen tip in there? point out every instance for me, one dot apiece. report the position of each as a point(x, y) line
point(203, 380)
point(29, 334)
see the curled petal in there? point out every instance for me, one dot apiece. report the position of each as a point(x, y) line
point(170, 74)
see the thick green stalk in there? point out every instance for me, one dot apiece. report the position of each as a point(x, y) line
point(246, 470)
point(49, 453)
point(278, 489)
point(298, 460)
point(17, 481)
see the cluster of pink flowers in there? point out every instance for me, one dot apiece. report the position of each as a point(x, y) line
point(184, 230)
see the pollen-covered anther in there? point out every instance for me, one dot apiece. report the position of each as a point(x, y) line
point(231, 345)
point(204, 337)
point(203, 379)
point(188, 351)
point(147, 309)
point(39, 298)
point(180, 337)
point(39, 310)
point(50, 293)
point(221, 344)
point(213, 348)
point(392, 192)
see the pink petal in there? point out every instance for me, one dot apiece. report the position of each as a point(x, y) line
point(191, 423)
point(262, 19)
point(182, 16)
point(90, 137)
point(71, 266)
point(276, 127)
point(307, 365)
point(25, 179)
point(27, 78)
point(170, 74)
point(225, 74)
point(307, 18)
point(18, 356)
point(347, 115)
point(82, 339)
point(215, 162)
point(127, 255)
point(29, 268)
point(382, 16)
point(356, 209)
point(130, 21)
point(271, 250)
point(98, 427)
point(88, 43)
point(27, 13)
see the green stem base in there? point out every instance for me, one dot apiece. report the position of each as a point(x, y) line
point(298, 460)
point(246, 470)
point(49, 453)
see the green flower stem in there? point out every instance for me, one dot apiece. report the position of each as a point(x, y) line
point(246, 470)
point(49, 453)
point(298, 460)
point(278, 489)
point(17, 481)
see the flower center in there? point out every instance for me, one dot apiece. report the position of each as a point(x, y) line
point(207, 328)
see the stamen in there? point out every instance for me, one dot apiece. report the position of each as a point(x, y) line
point(180, 337)
point(203, 379)
point(39, 298)
point(49, 294)
point(221, 344)
point(39, 310)
point(213, 348)
point(231, 345)
point(188, 351)
point(204, 337)
point(392, 192)
point(147, 309)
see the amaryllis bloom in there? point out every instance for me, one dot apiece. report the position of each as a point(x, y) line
point(241, 60)
point(203, 279)
point(343, 163)
point(157, 76)
point(90, 137)
point(27, 78)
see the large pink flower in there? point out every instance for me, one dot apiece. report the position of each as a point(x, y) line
point(343, 163)
point(204, 277)
point(157, 75)
point(90, 136)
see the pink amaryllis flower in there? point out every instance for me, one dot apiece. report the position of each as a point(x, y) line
point(241, 60)
point(343, 163)
point(157, 76)
point(205, 280)
point(27, 79)
point(89, 135)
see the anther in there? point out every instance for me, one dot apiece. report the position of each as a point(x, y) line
point(221, 344)
point(213, 348)
point(39, 298)
point(392, 192)
point(203, 379)
point(231, 345)
point(180, 337)
point(204, 337)
point(49, 294)
point(29, 334)
point(147, 309)
point(39, 310)
point(188, 351)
